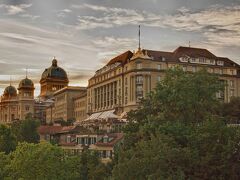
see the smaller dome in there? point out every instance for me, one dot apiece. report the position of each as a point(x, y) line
point(26, 83)
point(10, 91)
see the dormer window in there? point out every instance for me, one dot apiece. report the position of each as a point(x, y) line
point(202, 60)
point(192, 60)
point(212, 61)
point(220, 63)
point(183, 59)
point(139, 65)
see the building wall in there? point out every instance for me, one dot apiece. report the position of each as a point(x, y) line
point(122, 86)
point(64, 103)
point(80, 107)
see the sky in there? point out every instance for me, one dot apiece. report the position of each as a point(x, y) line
point(84, 34)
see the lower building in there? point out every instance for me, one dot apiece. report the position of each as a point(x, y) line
point(63, 106)
point(76, 139)
point(80, 107)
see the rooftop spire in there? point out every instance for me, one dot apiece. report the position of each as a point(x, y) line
point(26, 72)
point(139, 37)
point(189, 43)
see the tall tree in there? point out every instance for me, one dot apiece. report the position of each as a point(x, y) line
point(26, 130)
point(37, 161)
point(176, 133)
point(7, 139)
point(4, 162)
point(231, 111)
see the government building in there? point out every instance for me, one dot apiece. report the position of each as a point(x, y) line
point(114, 90)
point(17, 104)
point(119, 86)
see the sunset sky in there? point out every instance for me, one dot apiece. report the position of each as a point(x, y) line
point(85, 34)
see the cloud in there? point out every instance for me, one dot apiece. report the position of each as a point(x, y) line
point(15, 9)
point(218, 24)
point(27, 46)
point(62, 13)
point(110, 46)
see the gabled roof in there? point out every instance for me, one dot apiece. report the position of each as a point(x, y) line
point(228, 62)
point(122, 58)
point(158, 55)
point(49, 129)
point(193, 52)
point(116, 138)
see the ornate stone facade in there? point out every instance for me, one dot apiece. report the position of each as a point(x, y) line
point(17, 105)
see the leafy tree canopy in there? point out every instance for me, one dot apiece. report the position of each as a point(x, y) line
point(7, 139)
point(177, 134)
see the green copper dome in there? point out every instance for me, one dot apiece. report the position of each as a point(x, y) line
point(26, 83)
point(54, 72)
point(10, 91)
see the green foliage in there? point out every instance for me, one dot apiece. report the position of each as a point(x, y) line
point(87, 166)
point(37, 161)
point(177, 134)
point(46, 161)
point(4, 161)
point(231, 111)
point(7, 139)
point(26, 130)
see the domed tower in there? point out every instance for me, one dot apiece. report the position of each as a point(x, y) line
point(10, 92)
point(53, 79)
point(9, 105)
point(25, 98)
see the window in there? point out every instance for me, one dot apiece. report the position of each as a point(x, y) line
point(126, 81)
point(231, 72)
point(231, 93)
point(193, 60)
point(184, 68)
point(220, 63)
point(231, 83)
point(210, 70)
point(194, 68)
point(159, 66)
point(139, 65)
point(27, 108)
point(159, 78)
point(139, 79)
point(212, 61)
point(221, 71)
point(68, 139)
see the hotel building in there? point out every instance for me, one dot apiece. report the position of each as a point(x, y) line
point(129, 77)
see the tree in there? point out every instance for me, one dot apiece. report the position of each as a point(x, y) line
point(177, 134)
point(7, 139)
point(231, 111)
point(26, 130)
point(37, 161)
point(87, 166)
point(4, 161)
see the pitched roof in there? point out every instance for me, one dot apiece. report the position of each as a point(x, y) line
point(158, 55)
point(193, 52)
point(49, 129)
point(122, 58)
point(116, 138)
